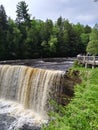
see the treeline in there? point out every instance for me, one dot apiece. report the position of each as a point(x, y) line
point(32, 38)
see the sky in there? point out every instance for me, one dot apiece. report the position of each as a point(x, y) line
point(82, 11)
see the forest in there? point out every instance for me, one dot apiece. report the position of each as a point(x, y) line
point(26, 37)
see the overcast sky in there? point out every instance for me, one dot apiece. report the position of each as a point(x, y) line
point(83, 11)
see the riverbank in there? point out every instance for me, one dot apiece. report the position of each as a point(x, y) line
point(82, 112)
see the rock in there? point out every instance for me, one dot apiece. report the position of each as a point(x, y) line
point(5, 121)
point(27, 127)
point(71, 78)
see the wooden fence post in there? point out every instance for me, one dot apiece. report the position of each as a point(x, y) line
point(84, 58)
point(93, 65)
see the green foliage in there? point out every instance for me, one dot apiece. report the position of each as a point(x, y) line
point(77, 64)
point(22, 12)
point(82, 112)
point(3, 32)
point(87, 29)
point(84, 39)
point(13, 38)
point(32, 38)
point(79, 28)
point(52, 44)
point(3, 18)
point(92, 47)
point(94, 33)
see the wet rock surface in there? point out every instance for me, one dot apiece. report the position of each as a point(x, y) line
point(8, 123)
point(12, 122)
point(5, 121)
point(71, 78)
point(27, 127)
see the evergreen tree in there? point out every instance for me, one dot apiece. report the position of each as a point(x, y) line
point(3, 18)
point(87, 29)
point(3, 33)
point(25, 38)
point(13, 39)
point(22, 12)
point(23, 22)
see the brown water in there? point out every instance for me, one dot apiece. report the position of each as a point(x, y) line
point(31, 87)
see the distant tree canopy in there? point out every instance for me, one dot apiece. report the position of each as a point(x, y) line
point(92, 46)
point(33, 38)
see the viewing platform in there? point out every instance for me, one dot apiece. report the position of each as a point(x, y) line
point(88, 60)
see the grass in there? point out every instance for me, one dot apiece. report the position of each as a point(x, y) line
point(82, 112)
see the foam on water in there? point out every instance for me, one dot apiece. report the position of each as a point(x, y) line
point(22, 116)
point(17, 110)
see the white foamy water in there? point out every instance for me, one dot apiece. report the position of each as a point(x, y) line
point(22, 116)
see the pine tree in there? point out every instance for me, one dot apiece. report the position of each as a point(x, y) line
point(3, 33)
point(3, 18)
point(22, 12)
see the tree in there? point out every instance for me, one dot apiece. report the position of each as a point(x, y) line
point(23, 22)
point(61, 37)
point(31, 43)
point(3, 18)
point(13, 40)
point(45, 49)
point(74, 42)
point(52, 45)
point(87, 29)
point(25, 38)
point(78, 28)
point(92, 47)
point(94, 33)
point(46, 30)
point(22, 12)
point(84, 42)
point(3, 32)
point(60, 22)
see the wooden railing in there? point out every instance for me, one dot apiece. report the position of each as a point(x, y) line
point(88, 60)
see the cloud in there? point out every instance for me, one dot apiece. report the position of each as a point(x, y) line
point(83, 11)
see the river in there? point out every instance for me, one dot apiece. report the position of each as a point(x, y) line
point(45, 63)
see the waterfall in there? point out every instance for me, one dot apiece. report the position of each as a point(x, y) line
point(31, 87)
